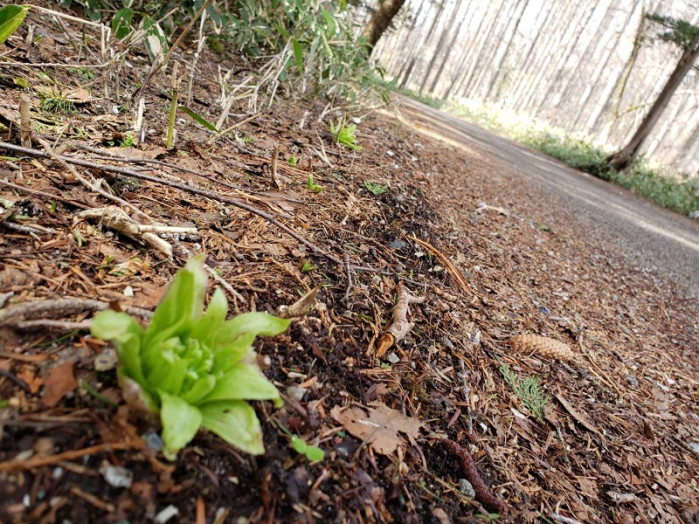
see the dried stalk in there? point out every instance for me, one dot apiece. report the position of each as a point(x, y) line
point(399, 326)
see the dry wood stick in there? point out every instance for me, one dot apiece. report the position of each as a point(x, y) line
point(36, 462)
point(203, 192)
point(64, 305)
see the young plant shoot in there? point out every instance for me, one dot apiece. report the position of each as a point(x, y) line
point(194, 368)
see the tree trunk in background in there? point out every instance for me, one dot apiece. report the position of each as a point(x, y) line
point(523, 79)
point(447, 52)
point(499, 69)
point(438, 50)
point(466, 79)
point(461, 63)
point(408, 35)
point(416, 49)
point(380, 20)
point(623, 158)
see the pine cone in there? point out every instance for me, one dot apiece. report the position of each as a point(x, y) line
point(543, 346)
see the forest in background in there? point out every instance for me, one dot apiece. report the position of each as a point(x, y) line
point(585, 67)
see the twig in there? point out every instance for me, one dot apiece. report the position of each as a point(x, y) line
point(453, 271)
point(64, 305)
point(28, 230)
point(273, 167)
point(348, 270)
point(225, 285)
point(483, 493)
point(563, 520)
point(15, 465)
point(49, 152)
point(36, 192)
point(28, 325)
point(209, 194)
point(399, 326)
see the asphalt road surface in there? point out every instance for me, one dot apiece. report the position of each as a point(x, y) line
point(652, 237)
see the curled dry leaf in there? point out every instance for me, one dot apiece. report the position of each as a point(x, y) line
point(542, 346)
point(60, 382)
point(379, 426)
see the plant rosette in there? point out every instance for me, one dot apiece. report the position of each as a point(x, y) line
point(194, 369)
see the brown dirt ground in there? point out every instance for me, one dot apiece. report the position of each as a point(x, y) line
point(618, 441)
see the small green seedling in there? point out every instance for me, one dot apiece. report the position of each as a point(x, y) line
point(375, 188)
point(314, 188)
point(345, 134)
point(307, 267)
point(527, 389)
point(312, 453)
point(293, 161)
point(194, 368)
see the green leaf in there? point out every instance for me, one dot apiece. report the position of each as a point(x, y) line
point(206, 327)
point(314, 453)
point(121, 23)
point(235, 422)
point(181, 306)
point(199, 390)
point(240, 383)
point(180, 422)
point(299, 445)
point(11, 16)
point(251, 323)
point(127, 335)
point(200, 119)
point(330, 23)
point(298, 54)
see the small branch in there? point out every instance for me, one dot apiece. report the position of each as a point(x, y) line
point(348, 270)
point(65, 306)
point(468, 465)
point(453, 271)
point(60, 325)
point(49, 152)
point(36, 192)
point(194, 190)
point(399, 326)
point(36, 462)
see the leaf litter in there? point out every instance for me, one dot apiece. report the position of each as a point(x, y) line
point(618, 443)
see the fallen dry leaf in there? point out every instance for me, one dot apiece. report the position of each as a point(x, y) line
point(59, 382)
point(380, 427)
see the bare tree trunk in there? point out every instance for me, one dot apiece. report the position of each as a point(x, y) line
point(380, 20)
point(459, 77)
point(409, 34)
point(617, 95)
point(438, 50)
point(416, 49)
point(623, 158)
point(447, 52)
point(499, 69)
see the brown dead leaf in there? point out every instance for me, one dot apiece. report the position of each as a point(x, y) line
point(59, 382)
point(580, 417)
point(380, 427)
point(29, 376)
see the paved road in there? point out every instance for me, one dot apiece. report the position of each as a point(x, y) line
point(652, 237)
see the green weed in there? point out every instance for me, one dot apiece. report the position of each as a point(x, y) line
point(375, 188)
point(345, 134)
point(527, 389)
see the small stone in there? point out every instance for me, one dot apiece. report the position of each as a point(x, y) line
point(107, 360)
point(153, 441)
point(117, 476)
point(393, 358)
point(631, 379)
point(166, 514)
point(397, 244)
point(544, 310)
point(128, 291)
point(390, 153)
point(296, 392)
point(466, 488)
point(447, 343)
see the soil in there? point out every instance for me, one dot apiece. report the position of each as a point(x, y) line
point(616, 439)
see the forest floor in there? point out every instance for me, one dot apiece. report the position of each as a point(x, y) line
point(607, 434)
